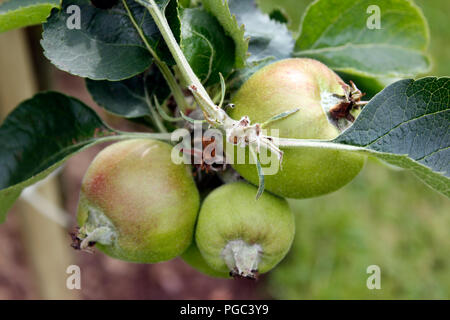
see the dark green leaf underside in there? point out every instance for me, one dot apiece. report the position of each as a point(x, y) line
point(126, 98)
point(268, 38)
point(107, 47)
point(38, 136)
point(408, 125)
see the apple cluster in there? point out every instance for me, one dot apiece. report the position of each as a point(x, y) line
point(137, 205)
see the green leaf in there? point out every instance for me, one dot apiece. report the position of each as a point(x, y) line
point(126, 98)
point(207, 48)
point(239, 77)
point(220, 10)
point(107, 47)
point(38, 136)
point(336, 33)
point(266, 44)
point(293, 9)
point(268, 38)
point(22, 13)
point(408, 125)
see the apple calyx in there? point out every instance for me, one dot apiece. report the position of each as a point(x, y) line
point(340, 109)
point(242, 259)
point(97, 229)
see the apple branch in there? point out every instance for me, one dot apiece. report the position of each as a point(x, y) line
point(238, 132)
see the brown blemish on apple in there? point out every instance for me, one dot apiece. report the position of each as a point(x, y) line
point(351, 100)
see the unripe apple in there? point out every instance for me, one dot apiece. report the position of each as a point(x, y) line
point(136, 204)
point(317, 92)
point(194, 258)
point(238, 234)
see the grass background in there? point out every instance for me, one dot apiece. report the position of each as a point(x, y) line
point(385, 217)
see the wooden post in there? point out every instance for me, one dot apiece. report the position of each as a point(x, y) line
point(47, 244)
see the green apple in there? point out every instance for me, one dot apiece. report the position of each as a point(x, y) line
point(136, 204)
point(243, 236)
point(316, 91)
point(194, 258)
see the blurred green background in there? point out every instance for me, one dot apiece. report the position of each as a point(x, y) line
point(385, 217)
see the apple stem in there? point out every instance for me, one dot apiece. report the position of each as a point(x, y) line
point(242, 258)
point(239, 132)
point(165, 70)
point(199, 91)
